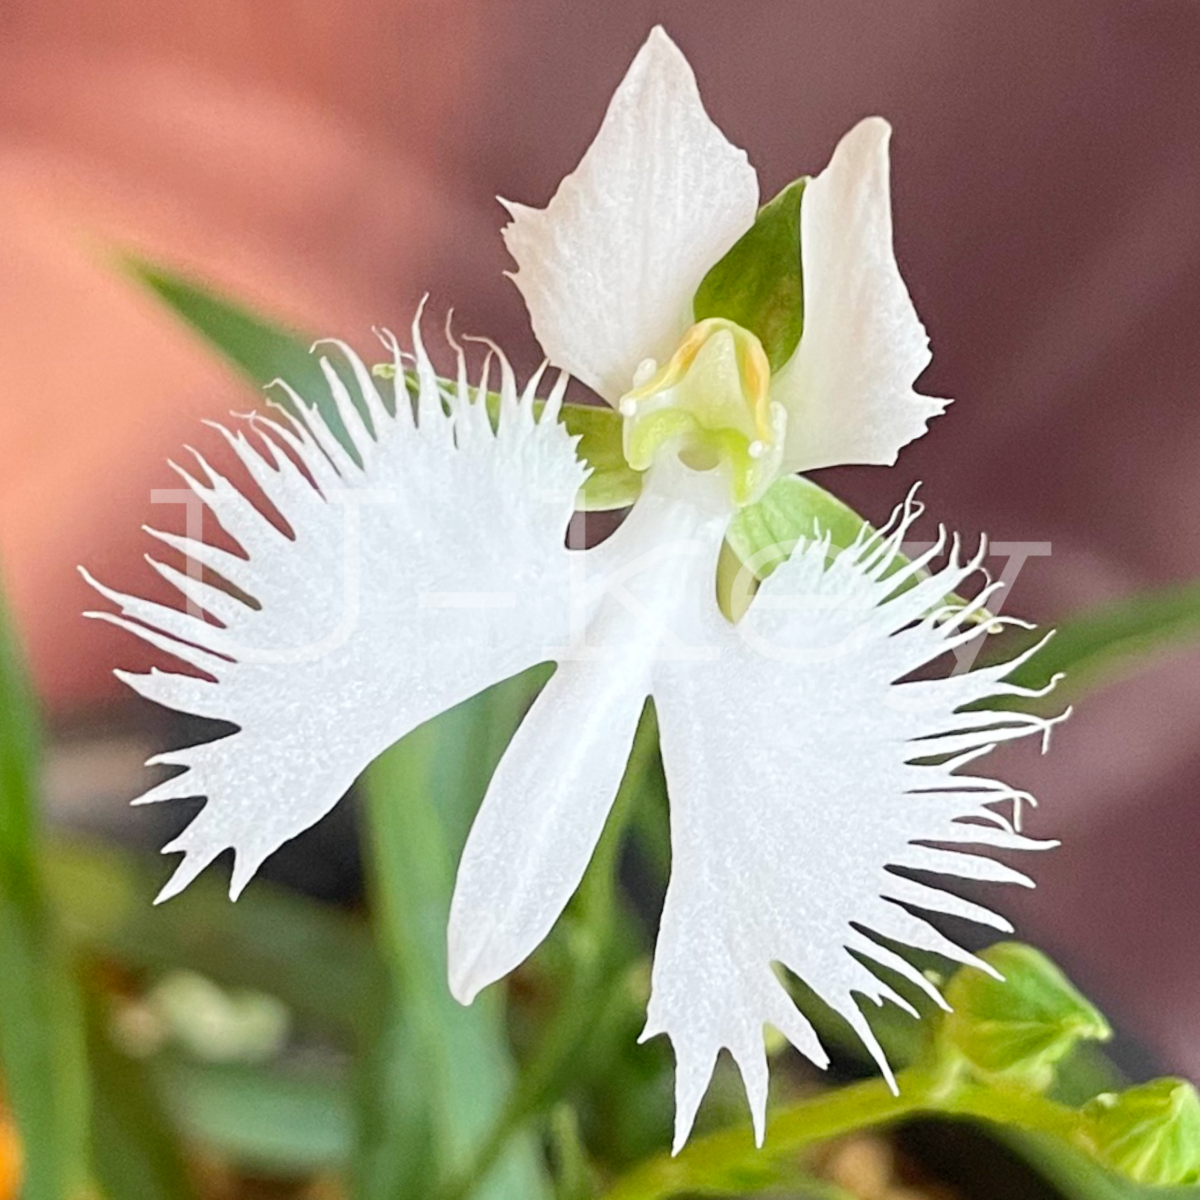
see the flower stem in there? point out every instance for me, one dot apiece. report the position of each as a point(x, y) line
point(714, 1164)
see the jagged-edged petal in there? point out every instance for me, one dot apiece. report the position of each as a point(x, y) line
point(848, 388)
point(416, 570)
point(806, 781)
point(609, 267)
point(547, 802)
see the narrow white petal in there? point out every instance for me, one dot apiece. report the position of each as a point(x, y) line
point(412, 578)
point(799, 775)
point(609, 267)
point(547, 803)
point(848, 388)
point(539, 823)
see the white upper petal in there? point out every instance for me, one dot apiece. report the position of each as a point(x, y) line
point(794, 790)
point(609, 267)
point(415, 577)
point(848, 388)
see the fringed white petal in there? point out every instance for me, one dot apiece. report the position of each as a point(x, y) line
point(806, 781)
point(609, 267)
point(418, 569)
point(848, 388)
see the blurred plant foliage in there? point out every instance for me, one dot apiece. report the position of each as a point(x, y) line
point(144, 1048)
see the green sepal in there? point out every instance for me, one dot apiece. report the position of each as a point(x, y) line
point(763, 535)
point(1150, 1133)
point(759, 283)
point(1020, 1027)
point(613, 483)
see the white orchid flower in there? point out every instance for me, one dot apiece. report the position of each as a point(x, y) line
point(808, 771)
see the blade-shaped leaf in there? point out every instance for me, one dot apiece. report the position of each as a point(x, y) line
point(134, 1152)
point(280, 1119)
point(264, 350)
point(42, 1052)
point(1097, 645)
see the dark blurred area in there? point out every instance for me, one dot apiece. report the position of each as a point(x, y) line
point(332, 162)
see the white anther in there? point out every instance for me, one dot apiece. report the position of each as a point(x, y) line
point(756, 449)
point(628, 406)
point(644, 373)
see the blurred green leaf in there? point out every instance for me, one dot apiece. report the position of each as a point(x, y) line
point(42, 1039)
point(320, 962)
point(261, 350)
point(264, 350)
point(134, 1152)
point(1096, 645)
point(289, 1118)
point(437, 1077)
point(572, 1175)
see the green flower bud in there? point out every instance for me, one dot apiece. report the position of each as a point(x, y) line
point(1150, 1133)
point(1018, 1027)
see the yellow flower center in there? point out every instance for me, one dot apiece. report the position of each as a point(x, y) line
point(709, 405)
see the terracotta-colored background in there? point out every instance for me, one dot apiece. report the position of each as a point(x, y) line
point(332, 161)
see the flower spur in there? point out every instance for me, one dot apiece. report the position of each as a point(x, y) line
point(424, 560)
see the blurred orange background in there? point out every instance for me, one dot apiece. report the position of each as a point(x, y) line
point(332, 162)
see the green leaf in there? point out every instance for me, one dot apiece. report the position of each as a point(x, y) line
point(262, 350)
point(1100, 644)
point(1150, 1133)
point(320, 962)
point(572, 1173)
point(265, 350)
point(759, 283)
point(42, 1040)
point(134, 1151)
point(437, 1075)
point(284, 1119)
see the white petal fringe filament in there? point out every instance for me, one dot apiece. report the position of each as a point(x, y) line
point(810, 774)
